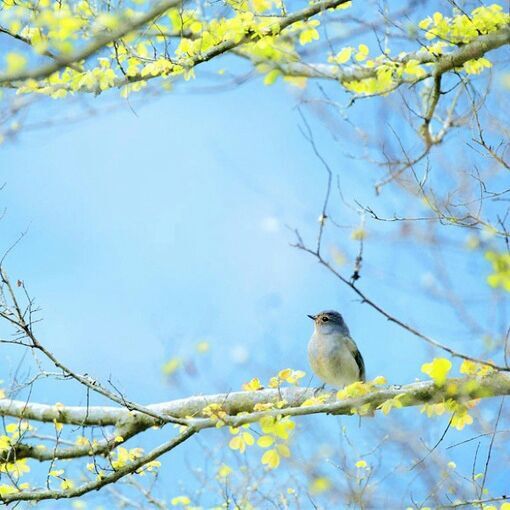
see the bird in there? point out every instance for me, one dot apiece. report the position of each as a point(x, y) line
point(332, 353)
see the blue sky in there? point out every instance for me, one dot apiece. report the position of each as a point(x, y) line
point(171, 226)
point(168, 227)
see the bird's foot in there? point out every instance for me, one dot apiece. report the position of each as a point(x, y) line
point(319, 390)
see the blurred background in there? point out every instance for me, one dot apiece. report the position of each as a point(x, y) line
point(157, 240)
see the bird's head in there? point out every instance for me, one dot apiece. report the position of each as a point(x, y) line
point(328, 322)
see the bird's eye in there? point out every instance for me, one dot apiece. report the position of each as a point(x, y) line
point(325, 319)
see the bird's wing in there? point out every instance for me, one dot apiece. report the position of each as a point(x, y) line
point(361, 364)
point(357, 357)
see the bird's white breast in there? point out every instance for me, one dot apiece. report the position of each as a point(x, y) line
point(332, 360)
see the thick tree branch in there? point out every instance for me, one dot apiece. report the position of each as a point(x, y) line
point(457, 58)
point(96, 45)
point(100, 481)
point(232, 404)
point(21, 450)
point(224, 47)
point(475, 49)
point(460, 390)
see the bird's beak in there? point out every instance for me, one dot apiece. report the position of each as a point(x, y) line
point(313, 317)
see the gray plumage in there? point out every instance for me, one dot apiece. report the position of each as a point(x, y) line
point(333, 354)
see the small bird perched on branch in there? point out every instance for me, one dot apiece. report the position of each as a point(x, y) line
point(333, 354)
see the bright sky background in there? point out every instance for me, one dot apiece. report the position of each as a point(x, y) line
point(150, 232)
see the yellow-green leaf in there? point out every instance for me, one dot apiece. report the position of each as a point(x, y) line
point(438, 370)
